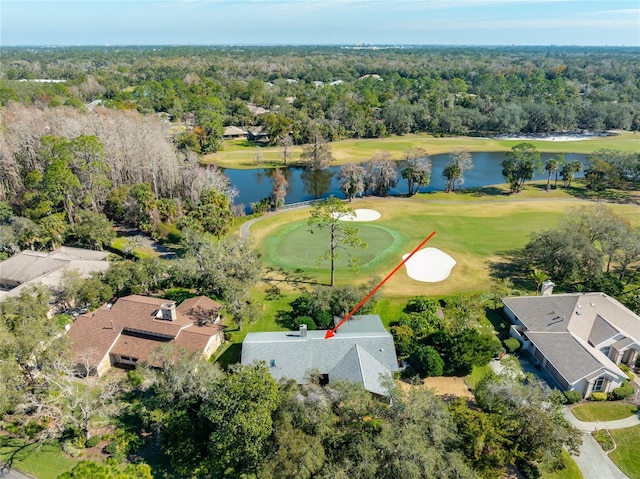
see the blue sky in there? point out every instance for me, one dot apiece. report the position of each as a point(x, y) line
point(251, 22)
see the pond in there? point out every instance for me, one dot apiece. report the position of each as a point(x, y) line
point(304, 185)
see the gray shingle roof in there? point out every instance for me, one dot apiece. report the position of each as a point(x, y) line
point(543, 313)
point(289, 355)
point(585, 319)
point(601, 331)
point(359, 366)
point(566, 354)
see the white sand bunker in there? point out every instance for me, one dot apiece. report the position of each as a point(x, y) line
point(429, 265)
point(361, 215)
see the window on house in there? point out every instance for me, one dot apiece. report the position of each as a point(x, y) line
point(598, 385)
point(606, 350)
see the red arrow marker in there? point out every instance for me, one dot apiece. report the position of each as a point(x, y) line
point(332, 332)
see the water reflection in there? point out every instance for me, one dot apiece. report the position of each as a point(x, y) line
point(255, 185)
point(317, 184)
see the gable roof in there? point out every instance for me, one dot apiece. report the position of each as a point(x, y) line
point(568, 329)
point(572, 360)
point(133, 327)
point(292, 355)
point(578, 313)
point(233, 131)
point(359, 366)
point(33, 267)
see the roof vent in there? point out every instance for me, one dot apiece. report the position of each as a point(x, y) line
point(578, 313)
point(592, 304)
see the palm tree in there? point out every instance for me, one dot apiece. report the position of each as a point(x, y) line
point(539, 277)
point(551, 166)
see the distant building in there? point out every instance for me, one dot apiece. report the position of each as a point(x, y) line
point(234, 133)
point(361, 351)
point(579, 339)
point(35, 267)
point(128, 331)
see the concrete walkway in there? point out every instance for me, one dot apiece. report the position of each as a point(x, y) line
point(592, 426)
point(593, 461)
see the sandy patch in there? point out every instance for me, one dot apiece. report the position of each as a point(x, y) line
point(556, 137)
point(441, 386)
point(362, 215)
point(429, 265)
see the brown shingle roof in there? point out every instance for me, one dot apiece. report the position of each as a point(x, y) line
point(131, 328)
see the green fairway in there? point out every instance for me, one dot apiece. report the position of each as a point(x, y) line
point(295, 246)
point(241, 153)
point(478, 233)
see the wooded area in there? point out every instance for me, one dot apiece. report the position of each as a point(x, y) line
point(118, 140)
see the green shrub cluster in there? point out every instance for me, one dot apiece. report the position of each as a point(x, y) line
point(572, 396)
point(604, 439)
point(598, 396)
point(627, 371)
point(511, 345)
point(622, 392)
point(93, 441)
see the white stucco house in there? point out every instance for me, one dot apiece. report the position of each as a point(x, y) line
point(579, 339)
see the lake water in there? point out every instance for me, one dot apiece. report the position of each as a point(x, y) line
point(254, 185)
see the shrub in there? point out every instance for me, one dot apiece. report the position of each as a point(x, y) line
point(70, 449)
point(604, 439)
point(93, 441)
point(622, 392)
point(135, 377)
point(511, 345)
point(572, 396)
point(598, 396)
point(311, 325)
point(627, 371)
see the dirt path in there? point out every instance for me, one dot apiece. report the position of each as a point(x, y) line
point(442, 386)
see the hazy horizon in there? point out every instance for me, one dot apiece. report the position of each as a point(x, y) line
point(488, 23)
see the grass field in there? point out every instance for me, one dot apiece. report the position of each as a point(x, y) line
point(295, 246)
point(477, 231)
point(603, 411)
point(45, 462)
point(241, 153)
point(626, 454)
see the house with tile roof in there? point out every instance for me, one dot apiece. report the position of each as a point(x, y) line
point(126, 332)
point(361, 351)
point(579, 339)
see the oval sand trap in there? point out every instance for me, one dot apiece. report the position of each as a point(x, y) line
point(362, 215)
point(429, 265)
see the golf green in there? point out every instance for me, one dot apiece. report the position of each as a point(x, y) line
point(295, 246)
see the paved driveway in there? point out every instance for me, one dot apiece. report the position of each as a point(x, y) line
point(594, 463)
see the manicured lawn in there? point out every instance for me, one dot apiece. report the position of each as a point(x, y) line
point(46, 462)
point(241, 154)
point(571, 471)
point(477, 374)
point(476, 233)
point(603, 411)
point(626, 454)
point(296, 247)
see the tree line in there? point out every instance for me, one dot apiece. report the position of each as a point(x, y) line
point(340, 93)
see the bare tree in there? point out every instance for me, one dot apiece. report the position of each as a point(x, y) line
point(317, 154)
point(464, 161)
point(383, 173)
point(352, 180)
point(279, 191)
point(286, 143)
